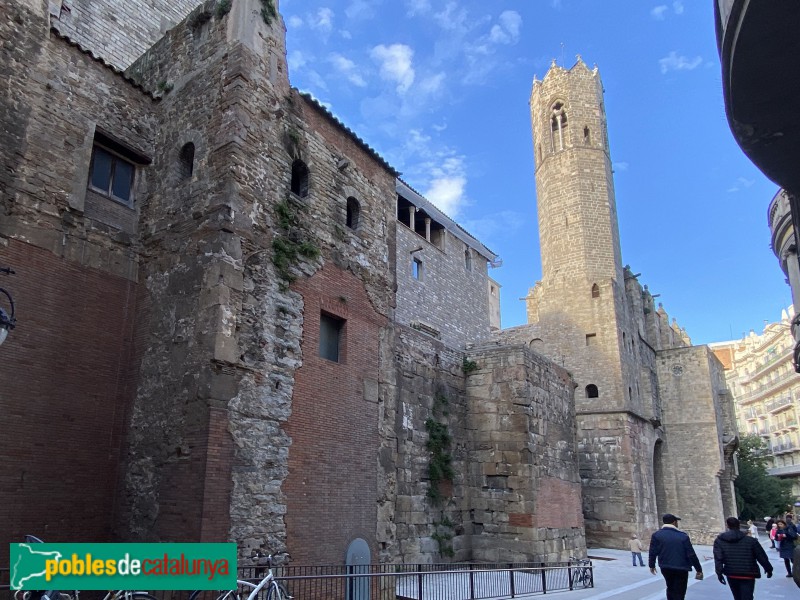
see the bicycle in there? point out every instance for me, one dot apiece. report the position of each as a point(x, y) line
point(75, 594)
point(582, 573)
point(267, 589)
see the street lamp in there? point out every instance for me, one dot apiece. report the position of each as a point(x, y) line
point(7, 321)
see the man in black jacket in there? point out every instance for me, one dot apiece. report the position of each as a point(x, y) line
point(676, 557)
point(738, 556)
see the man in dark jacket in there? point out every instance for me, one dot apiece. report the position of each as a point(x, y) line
point(675, 555)
point(738, 556)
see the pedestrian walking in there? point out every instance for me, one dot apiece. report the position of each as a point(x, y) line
point(752, 530)
point(737, 556)
point(785, 537)
point(676, 557)
point(772, 531)
point(636, 550)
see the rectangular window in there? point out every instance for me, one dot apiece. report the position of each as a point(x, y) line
point(111, 175)
point(330, 336)
point(591, 339)
point(416, 269)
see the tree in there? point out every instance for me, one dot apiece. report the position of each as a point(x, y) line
point(757, 493)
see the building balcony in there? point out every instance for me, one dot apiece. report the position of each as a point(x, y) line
point(785, 471)
point(784, 448)
point(778, 404)
point(767, 389)
point(761, 82)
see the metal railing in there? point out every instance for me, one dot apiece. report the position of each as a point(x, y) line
point(459, 581)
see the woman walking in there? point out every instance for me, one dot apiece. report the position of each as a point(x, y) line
point(785, 537)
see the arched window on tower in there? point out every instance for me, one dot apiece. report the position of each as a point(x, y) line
point(300, 178)
point(595, 291)
point(558, 127)
point(591, 391)
point(587, 136)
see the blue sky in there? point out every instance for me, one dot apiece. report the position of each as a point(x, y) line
point(440, 89)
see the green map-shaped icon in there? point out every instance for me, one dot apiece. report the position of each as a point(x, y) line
point(28, 567)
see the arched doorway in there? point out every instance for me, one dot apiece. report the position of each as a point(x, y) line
point(357, 561)
point(658, 478)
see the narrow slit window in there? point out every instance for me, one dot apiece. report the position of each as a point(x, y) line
point(416, 269)
point(186, 161)
point(468, 260)
point(353, 213)
point(595, 291)
point(300, 178)
point(587, 136)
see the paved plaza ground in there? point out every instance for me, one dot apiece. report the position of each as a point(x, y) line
point(616, 579)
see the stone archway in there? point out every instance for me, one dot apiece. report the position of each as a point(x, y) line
point(658, 478)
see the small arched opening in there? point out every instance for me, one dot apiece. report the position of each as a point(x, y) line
point(353, 213)
point(592, 391)
point(299, 178)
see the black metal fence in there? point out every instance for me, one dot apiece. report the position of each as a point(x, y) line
point(459, 581)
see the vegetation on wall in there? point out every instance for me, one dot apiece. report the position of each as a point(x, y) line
point(443, 534)
point(288, 246)
point(469, 366)
point(758, 494)
point(268, 11)
point(223, 8)
point(440, 467)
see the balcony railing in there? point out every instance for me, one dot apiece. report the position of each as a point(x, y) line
point(778, 403)
point(764, 389)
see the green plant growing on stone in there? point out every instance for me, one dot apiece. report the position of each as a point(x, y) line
point(268, 11)
point(443, 535)
point(286, 250)
point(223, 8)
point(469, 366)
point(165, 87)
point(440, 465)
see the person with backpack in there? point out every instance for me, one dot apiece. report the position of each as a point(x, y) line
point(785, 536)
point(737, 556)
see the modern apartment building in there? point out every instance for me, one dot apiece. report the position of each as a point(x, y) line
point(766, 392)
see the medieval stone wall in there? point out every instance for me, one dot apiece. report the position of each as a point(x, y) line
point(525, 488)
point(69, 368)
point(117, 32)
point(448, 297)
point(695, 466)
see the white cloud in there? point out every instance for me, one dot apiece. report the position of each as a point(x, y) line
point(395, 64)
point(417, 7)
point(295, 22)
point(658, 12)
point(348, 68)
point(741, 183)
point(360, 9)
point(673, 62)
point(677, 6)
point(507, 30)
point(322, 20)
point(431, 85)
point(296, 60)
point(447, 193)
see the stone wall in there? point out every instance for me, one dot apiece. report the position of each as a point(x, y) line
point(69, 368)
point(525, 488)
point(697, 468)
point(448, 298)
point(515, 492)
point(117, 32)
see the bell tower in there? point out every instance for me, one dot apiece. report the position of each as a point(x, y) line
point(580, 308)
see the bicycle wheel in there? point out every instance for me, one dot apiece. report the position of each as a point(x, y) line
point(137, 596)
point(215, 595)
point(587, 578)
point(277, 592)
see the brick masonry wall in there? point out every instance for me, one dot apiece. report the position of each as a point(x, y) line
point(332, 483)
point(66, 387)
point(448, 297)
